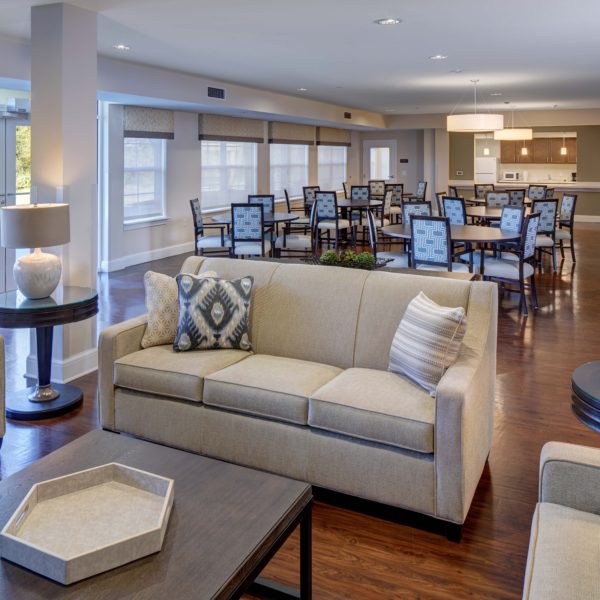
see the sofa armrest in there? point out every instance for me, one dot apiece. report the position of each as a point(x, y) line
point(2, 391)
point(115, 342)
point(570, 475)
point(464, 420)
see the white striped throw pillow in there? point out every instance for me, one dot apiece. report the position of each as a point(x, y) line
point(427, 341)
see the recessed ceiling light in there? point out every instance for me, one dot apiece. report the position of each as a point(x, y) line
point(438, 57)
point(122, 47)
point(388, 21)
point(496, 94)
point(301, 90)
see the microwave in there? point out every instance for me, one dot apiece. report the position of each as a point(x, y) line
point(511, 176)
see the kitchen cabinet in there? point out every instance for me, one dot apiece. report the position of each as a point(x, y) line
point(558, 158)
point(507, 152)
point(540, 151)
point(524, 158)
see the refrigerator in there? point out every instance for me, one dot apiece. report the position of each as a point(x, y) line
point(486, 169)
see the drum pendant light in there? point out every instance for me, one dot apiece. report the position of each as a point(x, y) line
point(474, 122)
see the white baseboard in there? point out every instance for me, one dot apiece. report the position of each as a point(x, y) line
point(67, 370)
point(108, 266)
point(587, 218)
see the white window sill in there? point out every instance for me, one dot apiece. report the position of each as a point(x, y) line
point(142, 223)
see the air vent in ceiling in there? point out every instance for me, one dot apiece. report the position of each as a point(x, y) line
point(214, 92)
point(347, 115)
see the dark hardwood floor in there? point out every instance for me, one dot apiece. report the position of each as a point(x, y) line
point(363, 557)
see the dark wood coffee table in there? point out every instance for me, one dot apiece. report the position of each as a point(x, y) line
point(227, 523)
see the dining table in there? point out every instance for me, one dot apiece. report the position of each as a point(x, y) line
point(269, 218)
point(486, 213)
point(465, 234)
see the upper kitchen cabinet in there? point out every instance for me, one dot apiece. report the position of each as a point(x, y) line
point(555, 154)
point(524, 158)
point(507, 152)
point(540, 151)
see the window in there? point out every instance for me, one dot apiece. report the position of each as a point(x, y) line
point(228, 173)
point(332, 162)
point(144, 193)
point(289, 169)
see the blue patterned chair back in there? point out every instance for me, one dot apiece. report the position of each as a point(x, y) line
point(397, 190)
point(497, 199)
point(267, 200)
point(376, 187)
point(516, 197)
point(421, 189)
point(247, 222)
point(567, 207)
point(326, 205)
point(387, 202)
point(453, 191)
point(529, 235)
point(309, 194)
point(372, 232)
point(481, 189)
point(197, 216)
point(512, 218)
point(547, 210)
point(549, 193)
point(536, 192)
point(430, 240)
point(359, 192)
point(454, 209)
point(415, 208)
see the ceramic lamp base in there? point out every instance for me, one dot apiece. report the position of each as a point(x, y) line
point(37, 274)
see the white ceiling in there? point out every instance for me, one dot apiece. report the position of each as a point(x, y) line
point(537, 53)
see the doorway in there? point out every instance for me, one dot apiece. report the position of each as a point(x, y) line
point(15, 182)
point(379, 160)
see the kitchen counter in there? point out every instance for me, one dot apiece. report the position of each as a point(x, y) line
point(559, 186)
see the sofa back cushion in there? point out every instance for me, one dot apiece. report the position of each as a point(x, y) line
point(310, 313)
point(384, 301)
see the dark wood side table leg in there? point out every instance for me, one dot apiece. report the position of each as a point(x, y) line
point(43, 400)
point(306, 554)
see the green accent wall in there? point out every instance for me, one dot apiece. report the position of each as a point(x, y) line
point(461, 156)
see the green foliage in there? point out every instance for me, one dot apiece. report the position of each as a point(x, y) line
point(350, 258)
point(23, 158)
point(365, 260)
point(329, 258)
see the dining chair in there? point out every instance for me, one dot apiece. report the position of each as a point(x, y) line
point(308, 193)
point(397, 190)
point(546, 239)
point(398, 260)
point(566, 219)
point(421, 190)
point(267, 200)
point(453, 191)
point(497, 199)
point(327, 219)
point(383, 212)
point(439, 203)
point(482, 189)
point(208, 244)
point(247, 230)
point(511, 219)
point(549, 193)
point(431, 245)
point(291, 242)
point(536, 192)
point(344, 185)
point(376, 188)
point(516, 197)
point(516, 267)
point(454, 209)
point(359, 192)
point(301, 223)
point(415, 208)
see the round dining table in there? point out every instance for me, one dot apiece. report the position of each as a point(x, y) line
point(269, 218)
point(485, 213)
point(467, 234)
point(358, 204)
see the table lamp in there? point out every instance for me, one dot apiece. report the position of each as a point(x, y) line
point(35, 226)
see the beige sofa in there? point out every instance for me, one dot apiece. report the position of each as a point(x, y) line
point(315, 402)
point(2, 392)
point(564, 548)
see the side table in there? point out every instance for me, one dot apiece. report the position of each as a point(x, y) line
point(68, 304)
point(585, 384)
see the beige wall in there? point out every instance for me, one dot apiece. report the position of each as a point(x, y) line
point(461, 150)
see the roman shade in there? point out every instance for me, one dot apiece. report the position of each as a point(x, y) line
point(331, 136)
point(222, 128)
point(144, 122)
point(291, 133)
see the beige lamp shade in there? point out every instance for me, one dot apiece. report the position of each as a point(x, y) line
point(475, 122)
point(34, 225)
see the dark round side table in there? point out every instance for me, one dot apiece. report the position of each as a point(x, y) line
point(585, 384)
point(67, 304)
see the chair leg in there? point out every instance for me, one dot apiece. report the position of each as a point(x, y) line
point(562, 248)
point(523, 301)
point(554, 257)
point(533, 292)
point(573, 246)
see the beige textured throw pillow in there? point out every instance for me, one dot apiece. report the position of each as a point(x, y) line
point(162, 305)
point(427, 341)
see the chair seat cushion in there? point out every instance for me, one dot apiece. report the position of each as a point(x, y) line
point(342, 224)
point(213, 241)
point(162, 371)
point(395, 210)
point(564, 554)
point(562, 234)
point(399, 259)
point(294, 242)
point(544, 241)
point(505, 268)
point(251, 248)
point(385, 222)
point(273, 387)
point(377, 406)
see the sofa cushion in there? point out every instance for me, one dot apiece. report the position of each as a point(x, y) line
point(159, 370)
point(268, 386)
point(564, 554)
point(377, 406)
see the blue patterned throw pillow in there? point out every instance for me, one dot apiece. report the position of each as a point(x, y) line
point(213, 313)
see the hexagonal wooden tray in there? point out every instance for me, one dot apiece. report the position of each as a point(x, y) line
point(76, 526)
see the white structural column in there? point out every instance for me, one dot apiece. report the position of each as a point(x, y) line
point(442, 164)
point(429, 162)
point(64, 146)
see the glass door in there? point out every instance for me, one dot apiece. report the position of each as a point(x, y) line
point(379, 160)
point(15, 182)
